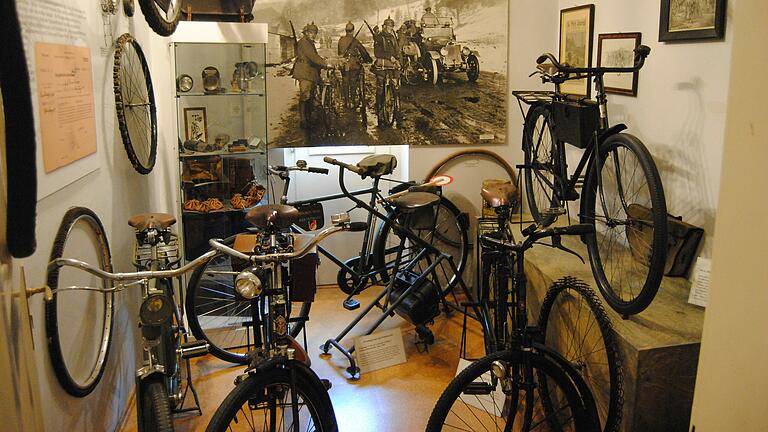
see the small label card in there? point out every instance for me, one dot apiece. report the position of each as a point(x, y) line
point(380, 350)
point(490, 403)
point(699, 294)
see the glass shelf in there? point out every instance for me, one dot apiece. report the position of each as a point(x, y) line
point(198, 94)
point(221, 153)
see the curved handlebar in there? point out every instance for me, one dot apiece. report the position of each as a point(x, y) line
point(535, 233)
point(641, 52)
point(277, 169)
point(354, 168)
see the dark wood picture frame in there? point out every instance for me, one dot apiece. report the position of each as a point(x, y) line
point(189, 123)
point(715, 30)
point(582, 86)
point(635, 38)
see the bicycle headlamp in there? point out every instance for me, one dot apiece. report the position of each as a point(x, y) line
point(155, 310)
point(443, 51)
point(465, 51)
point(248, 285)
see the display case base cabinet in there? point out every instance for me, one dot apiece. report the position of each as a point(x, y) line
point(200, 227)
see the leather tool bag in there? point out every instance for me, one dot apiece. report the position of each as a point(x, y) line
point(683, 241)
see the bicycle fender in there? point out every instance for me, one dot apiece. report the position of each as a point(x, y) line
point(303, 371)
point(613, 130)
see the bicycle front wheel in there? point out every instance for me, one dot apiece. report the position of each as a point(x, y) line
point(216, 314)
point(540, 160)
point(161, 15)
point(154, 406)
point(478, 400)
point(627, 254)
point(574, 323)
point(79, 347)
point(265, 402)
point(390, 104)
point(449, 235)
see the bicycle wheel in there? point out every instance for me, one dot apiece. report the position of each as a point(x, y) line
point(264, 402)
point(161, 15)
point(217, 315)
point(154, 406)
point(449, 235)
point(135, 104)
point(626, 175)
point(476, 400)
point(389, 106)
point(361, 93)
point(79, 347)
point(541, 161)
point(573, 321)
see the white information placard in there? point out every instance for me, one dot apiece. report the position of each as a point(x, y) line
point(380, 350)
point(699, 294)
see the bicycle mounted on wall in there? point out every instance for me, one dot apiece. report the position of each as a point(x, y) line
point(618, 171)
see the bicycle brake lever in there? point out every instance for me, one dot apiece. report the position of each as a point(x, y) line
point(557, 243)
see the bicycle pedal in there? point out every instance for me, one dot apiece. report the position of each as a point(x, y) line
point(478, 388)
point(194, 349)
point(351, 304)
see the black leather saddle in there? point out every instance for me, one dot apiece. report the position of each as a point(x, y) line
point(279, 216)
point(378, 165)
point(146, 221)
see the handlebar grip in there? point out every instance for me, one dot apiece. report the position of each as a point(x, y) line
point(643, 50)
point(542, 58)
point(318, 170)
point(354, 168)
point(280, 168)
point(578, 229)
point(357, 226)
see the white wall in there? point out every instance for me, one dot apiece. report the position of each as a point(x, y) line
point(679, 112)
point(732, 383)
point(115, 192)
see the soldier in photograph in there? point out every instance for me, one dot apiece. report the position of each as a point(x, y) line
point(307, 71)
point(354, 55)
point(387, 52)
point(429, 19)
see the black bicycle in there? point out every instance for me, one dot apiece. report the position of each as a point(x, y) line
point(619, 173)
point(388, 108)
point(222, 321)
point(522, 384)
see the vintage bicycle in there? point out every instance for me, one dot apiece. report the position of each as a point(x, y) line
point(218, 318)
point(328, 99)
point(618, 173)
point(388, 108)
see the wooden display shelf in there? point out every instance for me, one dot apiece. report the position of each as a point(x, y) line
point(659, 347)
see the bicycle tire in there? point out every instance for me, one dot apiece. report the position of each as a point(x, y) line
point(224, 344)
point(540, 160)
point(135, 109)
point(155, 409)
point(20, 139)
point(65, 377)
point(477, 379)
point(161, 23)
point(498, 324)
point(388, 107)
point(363, 105)
point(257, 391)
point(616, 272)
point(171, 342)
point(450, 234)
point(565, 325)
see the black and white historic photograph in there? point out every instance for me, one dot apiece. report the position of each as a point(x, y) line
point(691, 15)
point(351, 72)
point(618, 50)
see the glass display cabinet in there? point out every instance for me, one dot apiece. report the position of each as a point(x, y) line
point(220, 93)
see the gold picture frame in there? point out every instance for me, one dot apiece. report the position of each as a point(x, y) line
point(195, 124)
point(576, 34)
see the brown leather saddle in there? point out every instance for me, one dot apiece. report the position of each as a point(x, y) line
point(147, 221)
point(279, 216)
point(412, 201)
point(499, 194)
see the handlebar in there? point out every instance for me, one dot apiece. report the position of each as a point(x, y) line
point(641, 52)
point(277, 169)
point(535, 233)
point(354, 168)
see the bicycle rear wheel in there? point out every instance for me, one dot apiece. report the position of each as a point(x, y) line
point(541, 161)
point(574, 323)
point(449, 235)
point(79, 348)
point(217, 315)
point(626, 175)
point(263, 402)
point(477, 400)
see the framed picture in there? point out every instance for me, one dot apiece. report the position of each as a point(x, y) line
point(618, 50)
point(691, 20)
point(576, 33)
point(195, 124)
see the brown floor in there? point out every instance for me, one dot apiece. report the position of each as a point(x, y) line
point(399, 398)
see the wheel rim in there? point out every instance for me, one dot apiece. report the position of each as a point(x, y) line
point(389, 106)
point(612, 259)
point(135, 104)
point(540, 174)
point(167, 10)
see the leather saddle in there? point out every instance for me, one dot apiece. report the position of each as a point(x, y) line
point(499, 194)
point(279, 216)
point(147, 221)
point(378, 165)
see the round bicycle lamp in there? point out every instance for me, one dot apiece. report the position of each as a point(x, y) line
point(248, 285)
point(155, 310)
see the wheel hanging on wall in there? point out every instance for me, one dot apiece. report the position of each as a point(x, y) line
point(77, 365)
point(129, 7)
point(161, 15)
point(135, 104)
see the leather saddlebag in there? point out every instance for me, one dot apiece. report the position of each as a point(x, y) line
point(682, 244)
